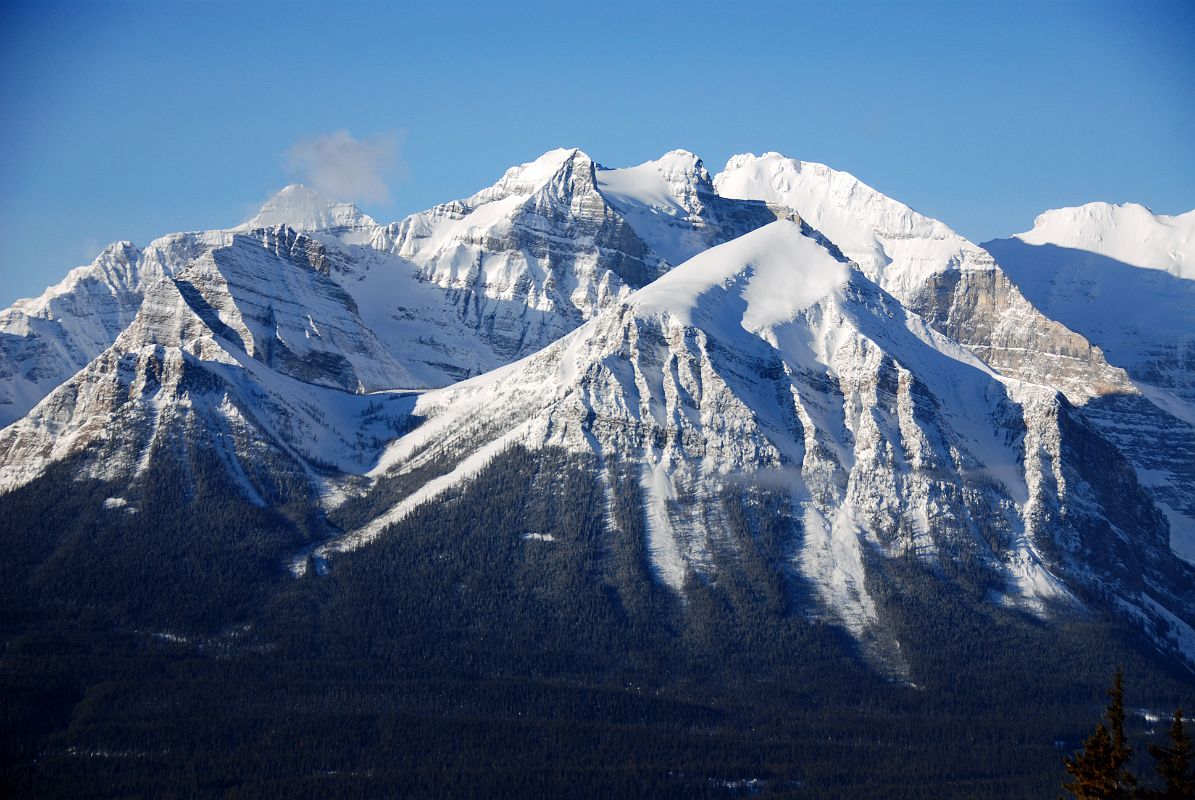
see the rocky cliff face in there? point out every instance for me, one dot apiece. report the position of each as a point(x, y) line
point(557, 240)
point(231, 352)
point(451, 292)
point(1039, 311)
point(271, 293)
point(45, 340)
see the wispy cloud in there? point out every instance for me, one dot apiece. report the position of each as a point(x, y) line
point(89, 249)
point(346, 168)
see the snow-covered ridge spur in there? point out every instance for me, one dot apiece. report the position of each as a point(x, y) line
point(770, 359)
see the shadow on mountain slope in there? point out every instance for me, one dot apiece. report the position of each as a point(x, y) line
point(1143, 319)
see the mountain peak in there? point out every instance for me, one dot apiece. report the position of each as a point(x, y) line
point(681, 161)
point(305, 209)
point(777, 178)
point(1129, 233)
point(527, 178)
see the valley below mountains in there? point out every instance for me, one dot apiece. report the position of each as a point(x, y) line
point(599, 482)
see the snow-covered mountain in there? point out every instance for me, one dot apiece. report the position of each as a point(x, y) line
point(954, 284)
point(782, 326)
point(1037, 312)
point(1125, 279)
point(450, 292)
point(770, 361)
point(45, 340)
point(1121, 276)
point(306, 210)
point(251, 350)
point(556, 240)
point(1129, 233)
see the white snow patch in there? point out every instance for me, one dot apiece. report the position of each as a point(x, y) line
point(467, 468)
point(663, 549)
point(1182, 533)
point(786, 273)
point(832, 559)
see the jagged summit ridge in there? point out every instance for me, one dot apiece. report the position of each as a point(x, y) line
point(250, 350)
point(453, 291)
point(673, 205)
point(45, 340)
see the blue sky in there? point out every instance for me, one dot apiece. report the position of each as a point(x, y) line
point(128, 121)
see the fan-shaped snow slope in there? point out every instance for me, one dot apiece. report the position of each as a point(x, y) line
point(769, 360)
point(955, 285)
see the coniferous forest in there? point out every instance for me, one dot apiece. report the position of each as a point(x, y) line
point(459, 657)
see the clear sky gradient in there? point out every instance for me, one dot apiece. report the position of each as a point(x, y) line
point(129, 121)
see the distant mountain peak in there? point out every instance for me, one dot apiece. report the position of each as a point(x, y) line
point(818, 191)
point(1129, 233)
point(553, 168)
point(305, 209)
point(681, 162)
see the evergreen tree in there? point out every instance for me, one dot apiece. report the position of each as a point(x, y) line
point(1091, 768)
point(1121, 752)
point(1174, 764)
point(1100, 770)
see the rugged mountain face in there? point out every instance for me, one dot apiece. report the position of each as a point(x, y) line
point(45, 340)
point(736, 482)
point(558, 239)
point(1123, 277)
point(1047, 309)
point(228, 354)
point(954, 285)
point(769, 362)
point(879, 376)
point(451, 292)
point(1129, 233)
